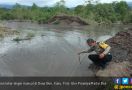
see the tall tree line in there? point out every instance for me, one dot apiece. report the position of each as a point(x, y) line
point(91, 11)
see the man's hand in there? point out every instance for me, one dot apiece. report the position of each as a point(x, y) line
point(82, 52)
point(101, 55)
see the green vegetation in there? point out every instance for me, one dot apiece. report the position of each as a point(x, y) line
point(92, 11)
point(29, 36)
point(17, 39)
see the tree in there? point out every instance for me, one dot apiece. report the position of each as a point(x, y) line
point(60, 3)
point(92, 1)
point(34, 6)
point(60, 6)
point(79, 9)
point(122, 9)
point(92, 10)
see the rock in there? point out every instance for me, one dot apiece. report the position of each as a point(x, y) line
point(67, 20)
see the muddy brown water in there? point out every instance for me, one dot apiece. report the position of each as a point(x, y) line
point(53, 50)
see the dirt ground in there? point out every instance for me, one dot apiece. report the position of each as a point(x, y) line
point(67, 20)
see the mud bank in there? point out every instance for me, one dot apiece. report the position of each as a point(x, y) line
point(67, 20)
point(121, 64)
point(4, 31)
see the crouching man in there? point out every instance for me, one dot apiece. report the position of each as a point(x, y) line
point(102, 50)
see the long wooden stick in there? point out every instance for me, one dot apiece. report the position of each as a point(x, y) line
point(79, 42)
point(79, 59)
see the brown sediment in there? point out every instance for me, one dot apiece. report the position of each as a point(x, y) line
point(67, 20)
point(121, 46)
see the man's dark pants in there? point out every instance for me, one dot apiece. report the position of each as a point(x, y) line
point(101, 62)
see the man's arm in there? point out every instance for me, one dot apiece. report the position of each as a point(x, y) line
point(107, 50)
point(83, 52)
point(88, 51)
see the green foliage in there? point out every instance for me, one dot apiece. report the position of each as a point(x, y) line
point(79, 9)
point(105, 12)
point(17, 39)
point(92, 11)
point(34, 7)
point(7, 16)
point(30, 35)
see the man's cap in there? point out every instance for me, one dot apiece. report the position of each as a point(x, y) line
point(90, 40)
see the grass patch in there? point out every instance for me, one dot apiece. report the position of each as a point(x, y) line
point(7, 32)
point(30, 35)
point(17, 39)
